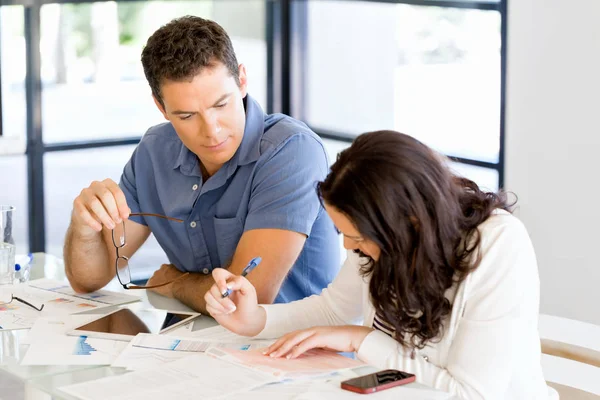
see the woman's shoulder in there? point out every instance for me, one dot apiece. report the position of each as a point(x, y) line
point(502, 225)
point(505, 251)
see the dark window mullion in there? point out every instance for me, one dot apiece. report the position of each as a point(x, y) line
point(503, 54)
point(35, 145)
point(92, 144)
point(473, 5)
point(348, 138)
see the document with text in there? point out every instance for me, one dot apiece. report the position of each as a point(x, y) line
point(197, 377)
point(314, 362)
point(147, 350)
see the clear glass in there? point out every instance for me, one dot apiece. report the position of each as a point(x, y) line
point(333, 148)
point(12, 70)
point(430, 72)
point(13, 184)
point(93, 82)
point(485, 178)
point(7, 245)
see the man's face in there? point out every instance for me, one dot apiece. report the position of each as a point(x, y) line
point(207, 113)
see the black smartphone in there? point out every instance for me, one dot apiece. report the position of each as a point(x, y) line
point(378, 381)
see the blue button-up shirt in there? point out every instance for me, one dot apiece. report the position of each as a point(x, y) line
point(269, 183)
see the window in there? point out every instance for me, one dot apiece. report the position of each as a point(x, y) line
point(12, 76)
point(431, 72)
point(434, 72)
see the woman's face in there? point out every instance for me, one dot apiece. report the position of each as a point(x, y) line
point(353, 240)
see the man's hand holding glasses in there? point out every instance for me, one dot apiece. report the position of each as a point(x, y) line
point(170, 273)
point(103, 204)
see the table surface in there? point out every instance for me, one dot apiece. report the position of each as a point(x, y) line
point(49, 378)
point(44, 381)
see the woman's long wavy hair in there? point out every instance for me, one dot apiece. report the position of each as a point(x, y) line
point(401, 195)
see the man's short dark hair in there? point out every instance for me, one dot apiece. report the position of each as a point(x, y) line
point(179, 51)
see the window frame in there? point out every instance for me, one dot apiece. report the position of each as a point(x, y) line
point(285, 34)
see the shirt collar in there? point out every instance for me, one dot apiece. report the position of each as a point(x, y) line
point(249, 150)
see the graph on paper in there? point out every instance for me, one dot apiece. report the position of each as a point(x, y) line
point(147, 350)
point(104, 297)
point(72, 350)
point(159, 342)
point(82, 347)
point(57, 298)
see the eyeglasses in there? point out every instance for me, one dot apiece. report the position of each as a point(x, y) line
point(122, 262)
point(12, 297)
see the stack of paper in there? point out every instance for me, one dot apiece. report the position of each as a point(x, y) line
point(147, 351)
point(195, 377)
point(314, 362)
point(57, 298)
point(49, 344)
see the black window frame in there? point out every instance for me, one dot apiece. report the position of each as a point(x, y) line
point(285, 33)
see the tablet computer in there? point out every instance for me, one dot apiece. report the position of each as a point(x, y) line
point(126, 322)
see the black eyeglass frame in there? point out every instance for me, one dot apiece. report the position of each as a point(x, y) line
point(122, 243)
point(13, 297)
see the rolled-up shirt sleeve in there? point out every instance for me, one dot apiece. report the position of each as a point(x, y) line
point(129, 187)
point(283, 194)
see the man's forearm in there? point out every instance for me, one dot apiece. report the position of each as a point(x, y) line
point(191, 289)
point(87, 263)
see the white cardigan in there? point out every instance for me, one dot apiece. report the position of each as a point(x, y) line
point(490, 348)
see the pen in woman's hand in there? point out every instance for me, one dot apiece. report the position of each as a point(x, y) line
point(251, 265)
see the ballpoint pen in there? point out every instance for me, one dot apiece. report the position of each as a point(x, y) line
point(251, 265)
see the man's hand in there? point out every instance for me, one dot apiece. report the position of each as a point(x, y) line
point(166, 273)
point(89, 251)
point(101, 204)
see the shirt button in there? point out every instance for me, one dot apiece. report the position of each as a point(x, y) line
point(193, 224)
point(195, 187)
point(206, 271)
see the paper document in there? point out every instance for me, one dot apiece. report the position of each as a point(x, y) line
point(58, 325)
point(333, 391)
point(50, 345)
point(312, 363)
point(219, 334)
point(290, 390)
point(105, 297)
point(147, 350)
point(196, 377)
point(55, 297)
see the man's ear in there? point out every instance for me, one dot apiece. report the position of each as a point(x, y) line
point(160, 107)
point(243, 77)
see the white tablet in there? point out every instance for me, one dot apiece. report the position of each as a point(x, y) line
point(126, 322)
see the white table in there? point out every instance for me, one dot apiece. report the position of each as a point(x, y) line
point(42, 382)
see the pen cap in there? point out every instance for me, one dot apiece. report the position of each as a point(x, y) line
point(251, 265)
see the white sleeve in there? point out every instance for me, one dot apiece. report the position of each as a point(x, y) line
point(502, 298)
point(339, 304)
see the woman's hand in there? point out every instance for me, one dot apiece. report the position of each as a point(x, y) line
point(239, 312)
point(336, 338)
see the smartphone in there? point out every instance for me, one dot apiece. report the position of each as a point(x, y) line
point(378, 381)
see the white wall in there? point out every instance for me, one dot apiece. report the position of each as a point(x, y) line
point(552, 145)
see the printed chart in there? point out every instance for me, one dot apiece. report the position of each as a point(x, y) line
point(73, 350)
point(57, 298)
point(147, 350)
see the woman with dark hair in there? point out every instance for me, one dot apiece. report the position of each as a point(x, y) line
point(442, 276)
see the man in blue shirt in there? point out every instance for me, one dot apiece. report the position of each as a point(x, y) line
point(219, 184)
